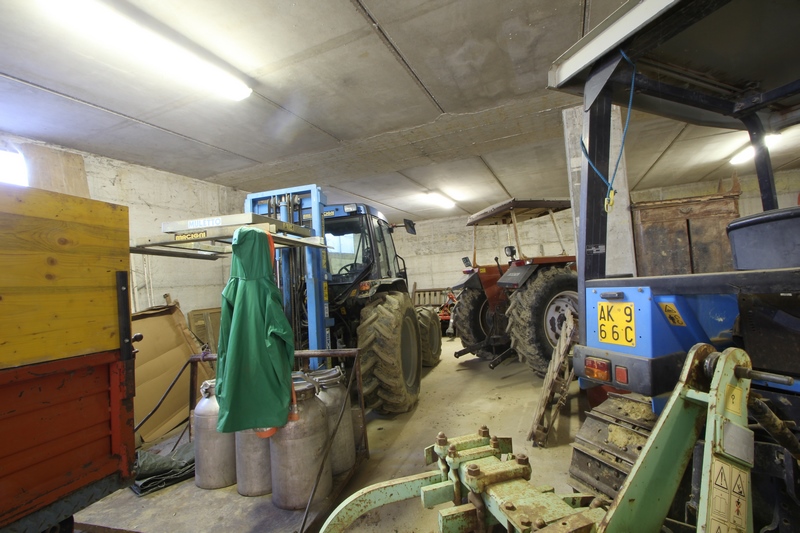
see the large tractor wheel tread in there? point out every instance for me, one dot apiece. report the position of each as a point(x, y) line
point(466, 316)
point(536, 315)
point(430, 339)
point(388, 342)
point(473, 321)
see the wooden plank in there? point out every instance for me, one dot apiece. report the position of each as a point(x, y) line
point(37, 454)
point(555, 389)
point(48, 325)
point(55, 170)
point(692, 207)
point(67, 443)
point(22, 397)
point(55, 477)
point(59, 255)
point(38, 203)
point(26, 234)
point(53, 422)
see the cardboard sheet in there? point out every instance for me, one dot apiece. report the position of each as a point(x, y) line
point(166, 347)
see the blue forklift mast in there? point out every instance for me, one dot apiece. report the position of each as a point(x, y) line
point(285, 205)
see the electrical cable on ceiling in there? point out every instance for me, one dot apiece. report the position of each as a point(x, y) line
point(610, 192)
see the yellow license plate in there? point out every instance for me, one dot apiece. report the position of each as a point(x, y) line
point(616, 323)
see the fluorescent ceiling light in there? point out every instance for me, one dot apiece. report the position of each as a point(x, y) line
point(99, 22)
point(440, 200)
point(749, 153)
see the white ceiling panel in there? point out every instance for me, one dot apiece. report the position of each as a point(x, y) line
point(375, 100)
point(471, 54)
point(537, 170)
point(93, 130)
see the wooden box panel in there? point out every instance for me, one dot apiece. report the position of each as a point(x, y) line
point(72, 426)
point(711, 250)
point(58, 259)
point(666, 251)
point(684, 236)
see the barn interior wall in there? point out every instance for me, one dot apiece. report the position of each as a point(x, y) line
point(433, 256)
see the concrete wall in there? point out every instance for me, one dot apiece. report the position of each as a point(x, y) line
point(154, 197)
point(433, 256)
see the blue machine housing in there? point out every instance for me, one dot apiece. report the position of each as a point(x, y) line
point(665, 324)
point(335, 211)
point(671, 315)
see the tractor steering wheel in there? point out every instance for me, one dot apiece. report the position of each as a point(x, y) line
point(349, 269)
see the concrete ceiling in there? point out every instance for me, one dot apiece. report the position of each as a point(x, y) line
point(374, 100)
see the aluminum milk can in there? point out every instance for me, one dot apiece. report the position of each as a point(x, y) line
point(214, 452)
point(296, 453)
point(332, 393)
point(253, 473)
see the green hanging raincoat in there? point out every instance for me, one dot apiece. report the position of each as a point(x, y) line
point(256, 345)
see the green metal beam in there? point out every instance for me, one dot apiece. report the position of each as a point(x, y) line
point(376, 495)
point(644, 499)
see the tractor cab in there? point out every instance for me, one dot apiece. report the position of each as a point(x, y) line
point(361, 249)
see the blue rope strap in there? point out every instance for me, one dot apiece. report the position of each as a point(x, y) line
point(609, 200)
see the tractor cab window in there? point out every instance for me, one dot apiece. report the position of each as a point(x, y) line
point(386, 255)
point(349, 252)
point(389, 266)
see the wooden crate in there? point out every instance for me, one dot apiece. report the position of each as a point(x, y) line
point(684, 236)
point(59, 256)
point(66, 384)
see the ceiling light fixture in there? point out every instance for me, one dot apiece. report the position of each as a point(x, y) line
point(749, 153)
point(110, 28)
point(440, 200)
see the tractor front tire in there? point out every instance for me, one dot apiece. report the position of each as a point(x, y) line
point(536, 315)
point(389, 349)
point(430, 336)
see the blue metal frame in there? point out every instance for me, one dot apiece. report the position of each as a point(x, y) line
point(312, 199)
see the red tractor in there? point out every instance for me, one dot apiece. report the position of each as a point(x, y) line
point(515, 307)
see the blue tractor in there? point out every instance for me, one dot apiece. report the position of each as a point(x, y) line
point(353, 293)
point(635, 332)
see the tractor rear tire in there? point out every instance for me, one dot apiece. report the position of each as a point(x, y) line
point(472, 320)
point(389, 348)
point(430, 338)
point(536, 315)
point(469, 316)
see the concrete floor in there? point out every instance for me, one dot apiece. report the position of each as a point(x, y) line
point(457, 397)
